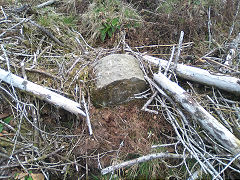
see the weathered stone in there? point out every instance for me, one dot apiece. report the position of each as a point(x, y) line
point(118, 78)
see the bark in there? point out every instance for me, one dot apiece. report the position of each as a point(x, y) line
point(41, 92)
point(221, 81)
point(198, 113)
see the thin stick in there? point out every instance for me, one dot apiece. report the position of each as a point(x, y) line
point(144, 108)
point(23, 70)
point(48, 33)
point(6, 57)
point(87, 115)
point(223, 65)
point(167, 45)
point(140, 160)
point(179, 49)
point(4, 13)
point(236, 157)
point(235, 17)
point(209, 27)
point(170, 61)
point(46, 3)
point(22, 21)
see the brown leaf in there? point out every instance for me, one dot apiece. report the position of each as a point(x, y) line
point(4, 115)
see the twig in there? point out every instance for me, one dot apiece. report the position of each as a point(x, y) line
point(84, 40)
point(170, 61)
point(163, 145)
point(5, 16)
point(36, 126)
point(4, 155)
point(166, 45)
point(48, 33)
point(140, 160)
point(5, 124)
point(234, 20)
point(144, 108)
point(6, 57)
point(22, 21)
point(235, 158)
point(223, 65)
point(44, 73)
point(209, 27)
point(87, 115)
point(23, 70)
point(43, 156)
point(80, 44)
point(45, 4)
point(179, 49)
point(73, 65)
point(219, 113)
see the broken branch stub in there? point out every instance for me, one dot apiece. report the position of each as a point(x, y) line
point(42, 93)
point(198, 113)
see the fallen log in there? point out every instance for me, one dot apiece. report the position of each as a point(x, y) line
point(41, 92)
point(198, 113)
point(221, 81)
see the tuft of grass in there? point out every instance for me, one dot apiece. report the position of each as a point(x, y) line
point(49, 17)
point(104, 18)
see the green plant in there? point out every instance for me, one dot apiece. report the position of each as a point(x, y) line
point(50, 18)
point(29, 177)
point(26, 177)
point(109, 27)
point(104, 18)
point(7, 121)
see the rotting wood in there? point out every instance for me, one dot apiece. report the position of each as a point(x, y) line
point(42, 93)
point(198, 113)
point(221, 81)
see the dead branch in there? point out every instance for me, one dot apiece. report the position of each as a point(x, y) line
point(198, 113)
point(41, 92)
point(87, 115)
point(47, 3)
point(140, 160)
point(221, 81)
point(48, 33)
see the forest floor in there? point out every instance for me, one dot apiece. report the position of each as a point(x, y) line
point(120, 133)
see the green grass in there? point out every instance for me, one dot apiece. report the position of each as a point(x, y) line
point(104, 18)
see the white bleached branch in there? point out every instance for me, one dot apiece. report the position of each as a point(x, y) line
point(198, 113)
point(221, 81)
point(41, 92)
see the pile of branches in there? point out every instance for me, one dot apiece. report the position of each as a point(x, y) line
point(207, 126)
point(52, 57)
